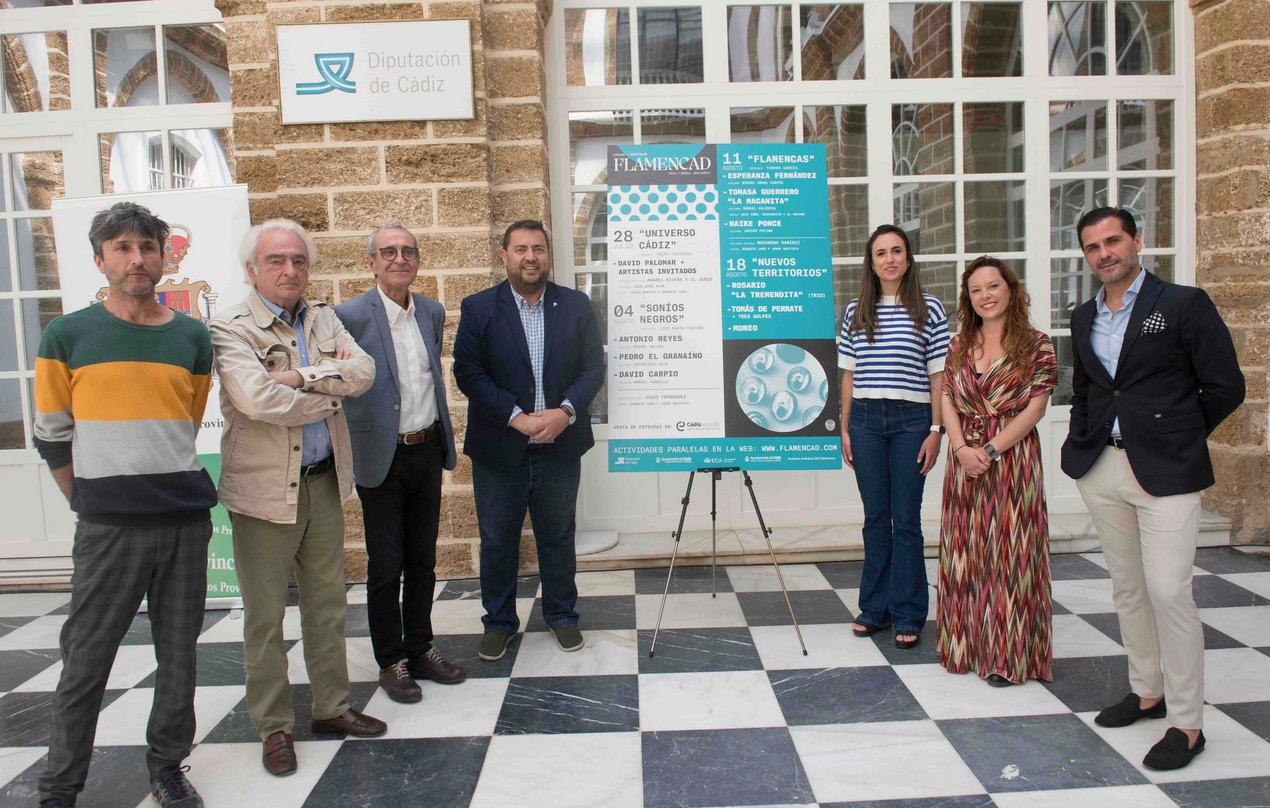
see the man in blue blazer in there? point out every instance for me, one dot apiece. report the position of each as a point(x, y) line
point(529, 359)
point(402, 439)
point(1154, 372)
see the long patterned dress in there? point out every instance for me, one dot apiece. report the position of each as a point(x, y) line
point(994, 574)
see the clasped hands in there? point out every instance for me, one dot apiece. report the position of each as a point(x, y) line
point(541, 427)
point(974, 461)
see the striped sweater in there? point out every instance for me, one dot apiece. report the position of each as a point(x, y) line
point(123, 402)
point(898, 363)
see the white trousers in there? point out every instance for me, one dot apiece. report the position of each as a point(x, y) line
point(1149, 543)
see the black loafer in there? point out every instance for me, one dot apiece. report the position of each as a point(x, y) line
point(1128, 711)
point(1173, 751)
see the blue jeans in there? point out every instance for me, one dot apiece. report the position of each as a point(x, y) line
point(546, 486)
point(886, 435)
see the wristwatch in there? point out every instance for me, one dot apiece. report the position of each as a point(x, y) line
point(938, 428)
point(991, 452)
point(569, 411)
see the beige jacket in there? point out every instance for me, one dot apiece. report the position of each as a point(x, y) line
point(260, 447)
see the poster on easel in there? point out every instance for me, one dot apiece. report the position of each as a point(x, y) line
point(721, 319)
point(201, 276)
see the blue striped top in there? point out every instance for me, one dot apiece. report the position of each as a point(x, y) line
point(901, 359)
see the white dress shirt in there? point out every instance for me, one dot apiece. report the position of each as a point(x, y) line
point(414, 369)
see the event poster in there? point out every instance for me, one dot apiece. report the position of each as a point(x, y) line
point(721, 320)
point(201, 275)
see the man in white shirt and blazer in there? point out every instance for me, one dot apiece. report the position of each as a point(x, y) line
point(402, 439)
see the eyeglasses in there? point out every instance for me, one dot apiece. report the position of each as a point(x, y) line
point(407, 253)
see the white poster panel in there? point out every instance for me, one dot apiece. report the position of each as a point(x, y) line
point(201, 276)
point(375, 71)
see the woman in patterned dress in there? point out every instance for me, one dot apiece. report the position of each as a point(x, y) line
point(994, 577)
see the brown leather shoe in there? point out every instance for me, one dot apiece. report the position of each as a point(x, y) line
point(279, 755)
point(437, 668)
point(351, 722)
point(396, 682)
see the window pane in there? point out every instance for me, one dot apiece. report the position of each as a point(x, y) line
point(127, 164)
point(1078, 38)
point(126, 67)
point(590, 135)
point(1151, 201)
point(597, 46)
point(922, 138)
point(1068, 202)
point(832, 42)
point(1078, 136)
point(842, 130)
point(1144, 38)
point(1146, 135)
point(762, 125)
point(759, 46)
point(197, 64)
point(994, 217)
point(921, 40)
point(201, 158)
point(1063, 391)
point(1071, 283)
point(670, 46)
point(927, 212)
point(37, 180)
point(11, 433)
point(8, 339)
point(1161, 265)
point(590, 228)
point(36, 315)
point(37, 72)
point(992, 136)
point(848, 219)
point(595, 286)
point(940, 278)
point(991, 39)
point(673, 126)
point(6, 279)
point(37, 255)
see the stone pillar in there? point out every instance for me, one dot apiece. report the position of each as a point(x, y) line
point(1232, 132)
point(455, 184)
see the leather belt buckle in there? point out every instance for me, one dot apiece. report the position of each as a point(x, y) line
point(419, 436)
point(1116, 442)
point(314, 469)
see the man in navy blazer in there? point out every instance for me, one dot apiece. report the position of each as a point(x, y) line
point(402, 439)
point(529, 359)
point(1154, 373)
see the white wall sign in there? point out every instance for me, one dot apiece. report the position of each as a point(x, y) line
point(375, 71)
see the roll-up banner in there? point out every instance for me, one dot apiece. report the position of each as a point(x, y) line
point(721, 319)
point(201, 275)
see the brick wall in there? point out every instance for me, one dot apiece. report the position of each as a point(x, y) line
point(1232, 131)
point(455, 184)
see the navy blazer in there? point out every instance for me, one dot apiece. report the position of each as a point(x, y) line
point(1177, 378)
point(491, 366)
point(374, 417)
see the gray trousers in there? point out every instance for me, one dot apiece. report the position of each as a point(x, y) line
point(115, 567)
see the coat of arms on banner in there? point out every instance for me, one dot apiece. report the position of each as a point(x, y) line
point(191, 297)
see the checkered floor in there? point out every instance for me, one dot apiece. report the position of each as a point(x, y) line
point(728, 712)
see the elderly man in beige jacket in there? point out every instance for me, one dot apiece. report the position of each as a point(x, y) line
point(285, 366)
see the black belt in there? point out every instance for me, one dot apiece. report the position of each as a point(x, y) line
point(420, 436)
point(1116, 442)
point(320, 467)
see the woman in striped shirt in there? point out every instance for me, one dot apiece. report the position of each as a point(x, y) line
point(891, 351)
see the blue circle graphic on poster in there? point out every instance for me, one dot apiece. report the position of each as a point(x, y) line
point(781, 387)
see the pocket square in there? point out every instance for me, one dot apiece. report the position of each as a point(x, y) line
point(1154, 324)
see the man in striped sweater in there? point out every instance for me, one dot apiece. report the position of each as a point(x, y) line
point(120, 389)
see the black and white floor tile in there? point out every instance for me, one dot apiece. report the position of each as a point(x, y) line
point(728, 712)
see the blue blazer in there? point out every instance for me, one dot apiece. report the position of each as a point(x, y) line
point(1176, 380)
point(491, 366)
point(374, 416)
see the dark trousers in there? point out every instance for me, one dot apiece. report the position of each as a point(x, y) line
point(401, 516)
point(115, 567)
point(547, 486)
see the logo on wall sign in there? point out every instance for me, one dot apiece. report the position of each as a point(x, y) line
point(334, 69)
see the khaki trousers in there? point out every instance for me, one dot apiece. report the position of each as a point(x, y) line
point(264, 555)
point(1149, 543)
